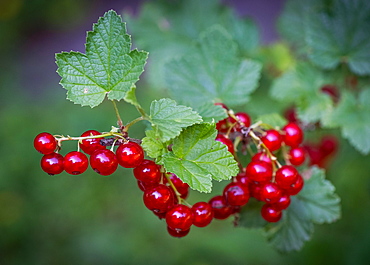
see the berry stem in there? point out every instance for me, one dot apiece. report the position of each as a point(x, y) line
point(119, 120)
point(128, 125)
point(61, 138)
point(178, 195)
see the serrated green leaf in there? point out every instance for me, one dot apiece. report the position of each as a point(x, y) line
point(211, 112)
point(196, 158)
point(109, 67)
point(353, 116)
point(273, 119)
point(293, 229)
point(334, 37)
point(213, 72)
point(152, 144)
point(318, 196)
point(302, 86)
point(130, 96)
point(250, 215)
point(168, 119)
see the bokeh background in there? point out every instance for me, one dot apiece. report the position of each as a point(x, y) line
point(89, 219)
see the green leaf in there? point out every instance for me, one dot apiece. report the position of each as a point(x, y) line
point(333, 36)
point(319, 198)
point(250, 215)
point(213, 72)
point(211, 112)
point(301, 86)
point(152, 144)
point(109, 67)
point(196, 158)
point(353, 116)
point(273, 119)
point(168, 119)
point(293, 229)
point(130, 96)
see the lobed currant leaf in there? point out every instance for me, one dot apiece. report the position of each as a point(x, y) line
point(213, 71)
point(130, 96)
point(152, 144)
point(168, 119)
point(109, 66)
point(197, 157)
point(211, 112)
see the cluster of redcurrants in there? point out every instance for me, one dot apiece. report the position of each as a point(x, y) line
point(264, 178)
point(102, 160)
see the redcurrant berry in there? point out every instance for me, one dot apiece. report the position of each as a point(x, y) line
point(270, 214)
point(261, 156)
point(282, 203)
point(272, 140)
point(270, 192)
point(148, 172)
point(297, 156)
point(90, 145)
point(236, 194)
point(291, 115)
point(255, 190)
point(180, 217)
point(159, 199)
point(181, 187)
point(226, 141)
point(177, 233)
point(328, 145)
point(243, 178)
point(203, 214)
point(295, 188)
point(144, 186)
point(52, 163)
point(223, 126)
point(130, 154)
point(103, 161)
point(286, 176)
point(243, 118)
point(293, 134)
point(221, 209)
point(75, 163)
point(45, 143)
point(259, 171)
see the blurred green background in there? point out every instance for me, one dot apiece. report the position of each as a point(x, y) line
point(90, 219)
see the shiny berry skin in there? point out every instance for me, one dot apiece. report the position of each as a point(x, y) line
point(226, 141)
point(45, 143)
point(293, 135)
point(286, 176)
point(236, 194)
point(159, 199)
point(272, 139)
point(282, 203)
point(203, 214)
point(181, 187)
point(103, 161)
point(297, 156)
point(90, 145)
point(148, 172)
point(223, 126)
point(270, 214)
point(270, 192)
point(259, 171)
point(295, 188)
point(261, 156)
point(255, 190)
point(180, 217)
point(52, 163)
point(177, 233)
point(243, 118)
point(130, 154)
point(220, 208)
point(242, 178)
point(144, 186)
point(75, 163)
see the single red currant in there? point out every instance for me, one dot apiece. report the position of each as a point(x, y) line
point(295, 188)
point(286, 176)
point(270, 192)
point(203, 214)
point(180, 217)
point(272, 140)
point(45, 143)
point(293, 134)
point(259, 171)
point(282, 203)
point(297, 156)
point(104, 162)
point(328, 145)
point(243, 118)
point(291, 115)
point(177, 233)
point(243, 178)
point(181, 187)
point(75, 163)
point(130, 154)
point(270, 214)
point(222, 126)
point(90, 145)
point(236, 194)
point(148, 172)
point(261, 156)
point(52, 163)
point(221, 209)
point(159, 199)
point(226, 141)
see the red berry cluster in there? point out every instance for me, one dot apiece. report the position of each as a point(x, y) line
point(102, 160)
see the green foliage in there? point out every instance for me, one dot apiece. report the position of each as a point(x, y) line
point(272, 120)
point(109, 67)
point(213, 71)
point(196, 158)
